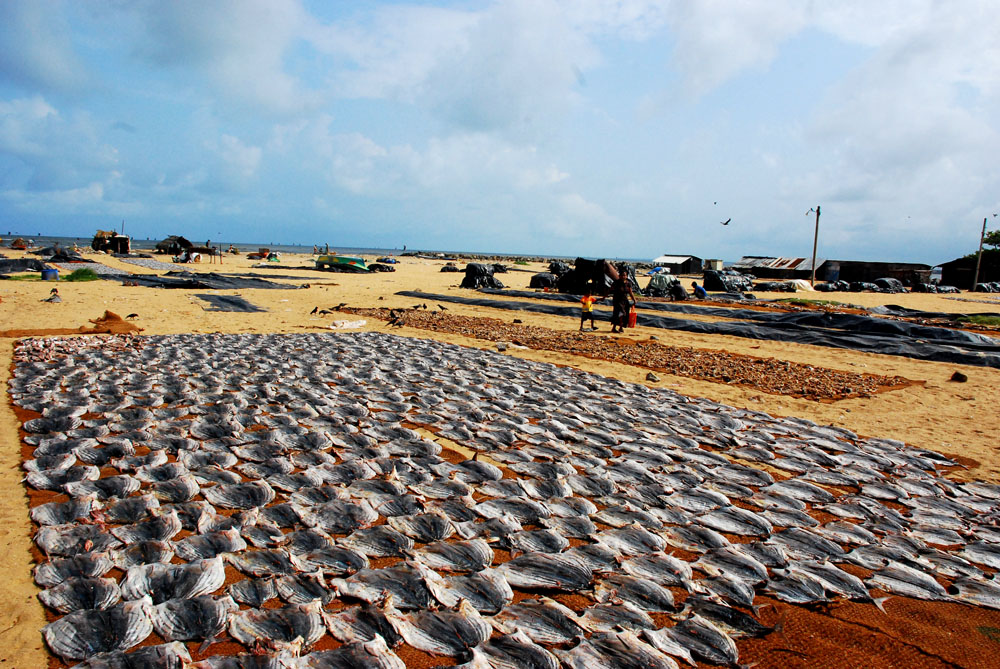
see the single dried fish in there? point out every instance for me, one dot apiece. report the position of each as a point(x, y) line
point(195, 618)
point(204, 546)
point(615, 650)
point(641, 592)
point(87, 565)
point(173, 581)
point(240, 495)
point(253, 591)
point(76, 593)
point(545, 570)
point(379, 541)
point(474, 555)
point(361, 623)
point(443, 632)
point(405, 583)
point(424, 527)
point(543, 620)
point(81, 634)
point(294, 627)
point(373, 654)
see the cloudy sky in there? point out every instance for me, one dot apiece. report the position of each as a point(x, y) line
point(602, 128)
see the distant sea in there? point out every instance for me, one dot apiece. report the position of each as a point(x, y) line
point(148, 245)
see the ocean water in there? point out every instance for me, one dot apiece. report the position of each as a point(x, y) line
point(147, 245)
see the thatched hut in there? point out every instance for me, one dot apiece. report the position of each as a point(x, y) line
point(110, 241)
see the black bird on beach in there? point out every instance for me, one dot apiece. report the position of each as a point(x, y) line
point(726, 222)
point(442, 307)
point(340, 306)
point(132, 316)
point(324, 312)
point(315, 309)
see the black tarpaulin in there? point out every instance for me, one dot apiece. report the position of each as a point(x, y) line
point(885, 337)
point(207, 281)
point(229, 303)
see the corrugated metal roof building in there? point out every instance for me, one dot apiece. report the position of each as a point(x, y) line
point(764, 267)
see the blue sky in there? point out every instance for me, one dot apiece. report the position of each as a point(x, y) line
point(599, 128)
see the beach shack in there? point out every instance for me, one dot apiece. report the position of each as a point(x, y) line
point(679, 264)
point(175, 245)
point(960, 272)
point(110, 241)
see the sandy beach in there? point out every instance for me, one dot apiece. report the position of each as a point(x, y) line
point(957, 419)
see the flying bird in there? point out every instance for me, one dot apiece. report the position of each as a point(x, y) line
point(726, 222)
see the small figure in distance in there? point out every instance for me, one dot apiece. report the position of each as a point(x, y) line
point(622, 300)
point(677, 292)
point(587, 309)
point(699, 292)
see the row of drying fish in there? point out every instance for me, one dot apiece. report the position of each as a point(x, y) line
point(300, 455)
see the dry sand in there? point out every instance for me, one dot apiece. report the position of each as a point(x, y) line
point(958, 419)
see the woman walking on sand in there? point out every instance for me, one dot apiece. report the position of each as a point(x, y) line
point(622, 300)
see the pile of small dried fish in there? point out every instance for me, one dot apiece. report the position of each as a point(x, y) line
point(768, 375)
point(296, 460)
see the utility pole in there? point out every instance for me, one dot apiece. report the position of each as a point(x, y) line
point(812, 281)
point(979, 257)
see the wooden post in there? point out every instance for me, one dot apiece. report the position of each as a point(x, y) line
point(979, 256)
point(812, 281)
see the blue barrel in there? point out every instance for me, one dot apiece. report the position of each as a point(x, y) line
point(50, 275)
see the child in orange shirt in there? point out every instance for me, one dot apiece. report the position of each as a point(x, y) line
point(587, 310)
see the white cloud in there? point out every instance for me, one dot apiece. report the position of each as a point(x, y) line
point(36, 49)
point(910, 138)
point(718, 39)
point(240, 46)
point(52, 151)
point(235, 166)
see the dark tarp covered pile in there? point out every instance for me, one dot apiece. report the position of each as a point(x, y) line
point(849, 331)
point(209, 281)
point(478, 275)
point(57, 254)
point(890, 285)
point(596, 275)
point(230, 303)
point(12, 265)
point(727, 281)
point(543, 280)
point(660, 285)
point(558, 267)
point(933, 288)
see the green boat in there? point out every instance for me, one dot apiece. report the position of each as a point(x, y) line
point(341, 263)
